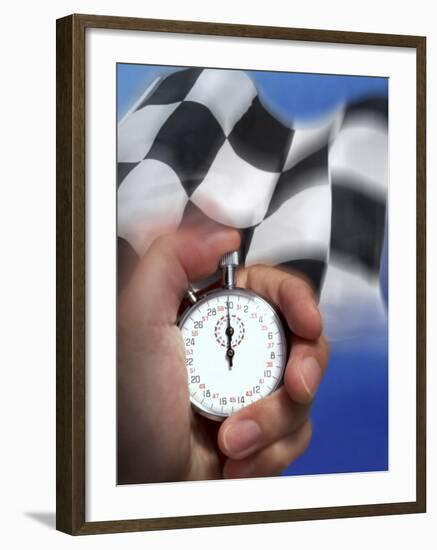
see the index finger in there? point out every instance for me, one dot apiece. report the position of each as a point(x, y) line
point(162, 276)
point(291, 293)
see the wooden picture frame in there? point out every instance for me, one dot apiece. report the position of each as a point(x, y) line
point(71, 274)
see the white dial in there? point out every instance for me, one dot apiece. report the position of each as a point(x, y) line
point(235, 351)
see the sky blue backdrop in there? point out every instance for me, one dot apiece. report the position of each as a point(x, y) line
point(350, 412)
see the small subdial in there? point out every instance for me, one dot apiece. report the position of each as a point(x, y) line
point(238, 332)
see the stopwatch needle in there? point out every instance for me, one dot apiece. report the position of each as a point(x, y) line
point(229, 352)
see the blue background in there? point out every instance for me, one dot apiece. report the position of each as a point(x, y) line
point(350, 411)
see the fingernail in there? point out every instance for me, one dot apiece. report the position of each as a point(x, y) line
point(241, 436)
point(313, 308)
point(310, 373)
point(316, 312)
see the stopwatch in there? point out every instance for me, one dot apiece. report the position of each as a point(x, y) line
point(235, 346)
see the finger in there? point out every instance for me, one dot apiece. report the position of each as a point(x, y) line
point(305, 368)
point(273, 459)
point(172, 261)
point(261, 424)
point(291, 293)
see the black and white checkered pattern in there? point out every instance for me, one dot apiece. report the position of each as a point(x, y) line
point(201, 142)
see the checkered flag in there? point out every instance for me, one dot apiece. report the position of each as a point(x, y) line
point(199, 143)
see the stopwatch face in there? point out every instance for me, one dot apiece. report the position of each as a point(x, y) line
point(235, 351)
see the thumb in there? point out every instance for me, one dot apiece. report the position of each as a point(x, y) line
point(162, 277)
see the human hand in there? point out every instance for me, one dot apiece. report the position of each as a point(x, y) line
point(160, 438)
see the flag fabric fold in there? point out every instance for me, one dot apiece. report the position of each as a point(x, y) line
point(308, 198)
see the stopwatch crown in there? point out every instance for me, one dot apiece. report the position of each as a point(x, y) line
point(229, 263)
point(230, 259)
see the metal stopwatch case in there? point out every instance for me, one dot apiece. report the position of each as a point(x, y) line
point(235, 346)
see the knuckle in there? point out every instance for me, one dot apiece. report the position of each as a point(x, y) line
point(285, 454)
point(308, 428)
point(162, 242)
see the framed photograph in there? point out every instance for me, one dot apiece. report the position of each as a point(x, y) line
point(240, 274)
